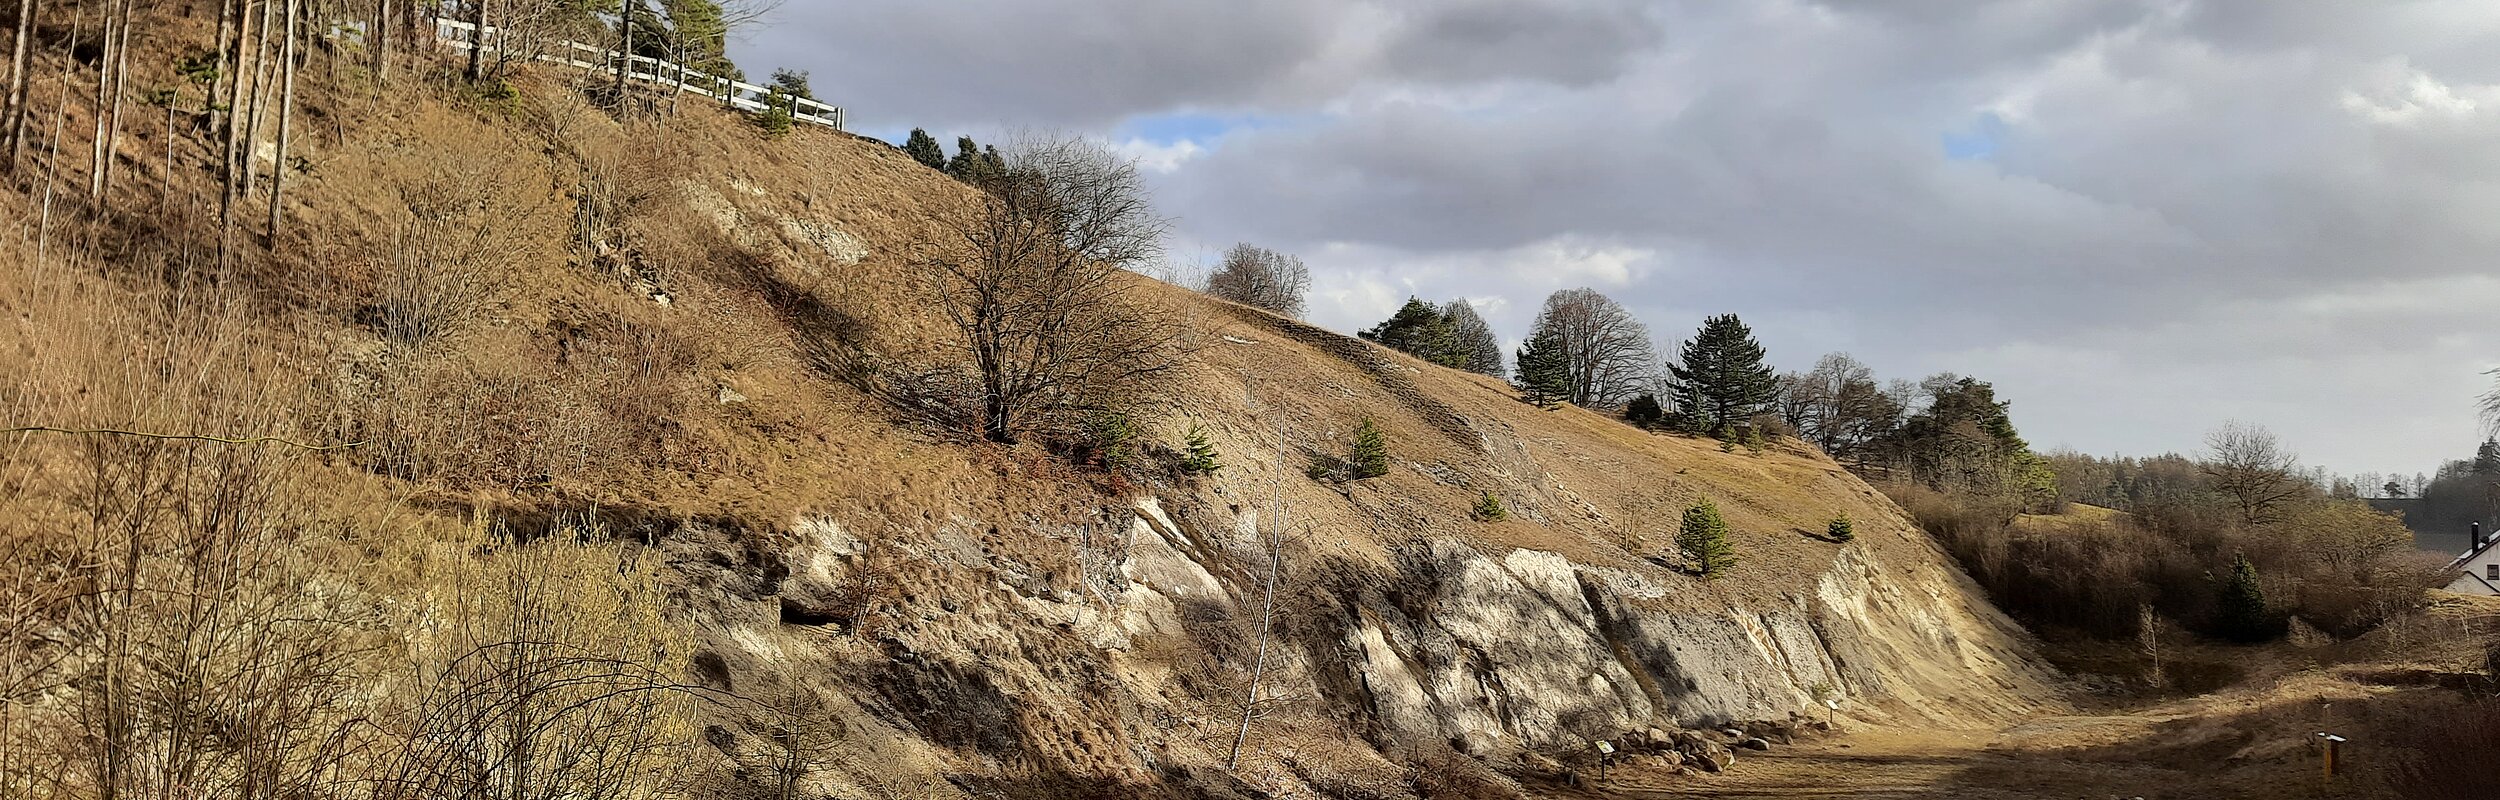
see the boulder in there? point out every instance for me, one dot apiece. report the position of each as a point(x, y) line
point(1754, 743)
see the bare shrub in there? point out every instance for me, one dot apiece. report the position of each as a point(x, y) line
point(1030, 277)
point(454, 249)
point(1262, 278)
point(552, 671)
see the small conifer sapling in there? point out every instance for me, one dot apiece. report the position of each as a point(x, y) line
point(1489, 508)
point(1371, 451)
point(1200, 457)
point(1703, 538)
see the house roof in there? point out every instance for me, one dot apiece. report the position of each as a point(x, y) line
point(2476, 551)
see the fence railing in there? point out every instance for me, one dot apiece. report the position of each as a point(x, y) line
point(462, 35)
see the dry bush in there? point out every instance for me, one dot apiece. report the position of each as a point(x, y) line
point(2447, 751)
point(608, 399)
point(546, 668)
point(175, 623)
point(454, 252)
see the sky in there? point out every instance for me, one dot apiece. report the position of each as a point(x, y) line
point(2137, 219)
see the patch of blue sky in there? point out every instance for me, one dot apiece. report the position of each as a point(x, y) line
point(1977, 140)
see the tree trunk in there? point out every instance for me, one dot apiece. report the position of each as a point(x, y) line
point(234, 87)
point(103, 100)
point(262, 74)
point(223, 59)
point(286, 123)
point(121, 85)
point(382, 42)
point(18, 65)
point(477, 41)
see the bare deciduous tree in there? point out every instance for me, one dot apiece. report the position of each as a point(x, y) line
point(2247, 463)
point(1256, 276)
point(1607, 352)
point(1472, 342)
point(1030, 275)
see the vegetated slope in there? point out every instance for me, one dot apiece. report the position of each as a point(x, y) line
point(683, 336)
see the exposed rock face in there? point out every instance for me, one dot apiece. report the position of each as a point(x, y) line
point(1527, 650)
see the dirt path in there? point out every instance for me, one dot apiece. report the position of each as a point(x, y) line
point(2032, 760)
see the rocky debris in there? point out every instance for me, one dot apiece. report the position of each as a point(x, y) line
point(728, 396)
point(1754, 743)
point(1702, 751)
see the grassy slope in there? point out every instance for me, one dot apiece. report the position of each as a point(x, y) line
point(573, 357)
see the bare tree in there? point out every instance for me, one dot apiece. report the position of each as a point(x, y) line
point(286, 121)
point(1472, 342)
point(1607, 353)
point(18, 65)
point(1263, 278)
point(1838, 406)
point(1029, 274)
point(2247, 463)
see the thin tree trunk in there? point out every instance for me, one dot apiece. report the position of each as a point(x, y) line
point(624, 47)
point(382, 42)
point(286, 123)
point(121, 85)
point(103, 86)
point(477, 41)
point(262, 77)
point(1275, 544)
point(18, 64)
point(52, 160)
point(243, 42)
point(223, 59)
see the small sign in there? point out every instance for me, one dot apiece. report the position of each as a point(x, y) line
point(1832, 704)
point(1605, 747)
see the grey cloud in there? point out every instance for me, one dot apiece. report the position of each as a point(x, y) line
point(1572, 42)
point(2191, 211)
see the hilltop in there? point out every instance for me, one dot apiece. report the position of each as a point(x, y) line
point(629, 361)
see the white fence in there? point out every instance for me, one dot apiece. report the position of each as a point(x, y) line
point(739, 94)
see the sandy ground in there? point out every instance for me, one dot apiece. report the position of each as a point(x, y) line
point(2051, 757)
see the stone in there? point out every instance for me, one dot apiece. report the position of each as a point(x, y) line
point(1755, 743)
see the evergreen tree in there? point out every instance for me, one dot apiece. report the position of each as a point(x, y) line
point(924, 148)
point(1489, 508)
point(1644, 411)
point(1704, 540)
point(1418, 330)
point(2243, 608)
point(1722, 379)
point(1200, 456)
point(792, 82)
point(974, 164)
point(1371, 452)
point(1840, 530)
point(1544, 375)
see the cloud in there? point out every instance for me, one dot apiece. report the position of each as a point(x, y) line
point(2138, 217)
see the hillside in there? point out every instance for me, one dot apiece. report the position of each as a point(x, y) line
point(661, 342)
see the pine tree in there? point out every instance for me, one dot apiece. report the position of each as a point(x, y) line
point(1489, 508)
point(1371, 452)
point(974, 164)
point(1419, 330)
point(924, 148)
point(2243, 608)
point(1722, 379)
point(1644, 411)
point(1544, 374)
point(1840, 530)
point(1200, 458)
point(1704, 540)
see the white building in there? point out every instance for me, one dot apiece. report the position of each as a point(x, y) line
point(2479, 568)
